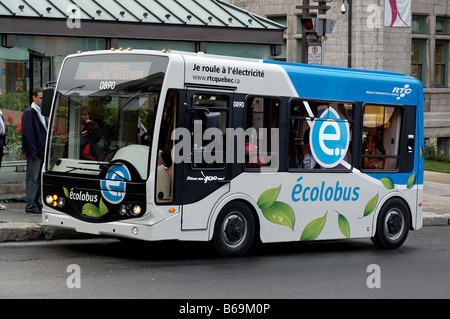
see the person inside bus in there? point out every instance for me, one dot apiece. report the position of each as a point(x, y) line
point(91, 141)
point(373, 149)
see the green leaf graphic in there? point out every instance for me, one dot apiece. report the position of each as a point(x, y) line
point(370, 207)
point(344, 225)
point(103, 208)
point(280, 213)
point(387, 182)
point(90, 210)
point(268, 197)
point(411, 180)
point(313, 229)
point(66, 192)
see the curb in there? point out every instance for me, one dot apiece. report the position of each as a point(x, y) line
point(19, 232)
point(436, 219)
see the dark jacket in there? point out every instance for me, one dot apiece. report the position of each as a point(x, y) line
point(33, 134)
point(91, 135)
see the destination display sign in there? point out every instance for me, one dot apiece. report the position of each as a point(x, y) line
point(112, 71)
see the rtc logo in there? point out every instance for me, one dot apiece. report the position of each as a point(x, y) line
point(330, 138)
point(402, 91)
point(113, 187)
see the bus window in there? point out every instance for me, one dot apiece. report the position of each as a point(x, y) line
point(165, 171)
point(303, 115)
point(381, 135)
point(261, 145)
point(209, 151)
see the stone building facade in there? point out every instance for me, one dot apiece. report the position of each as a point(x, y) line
point(421, 50)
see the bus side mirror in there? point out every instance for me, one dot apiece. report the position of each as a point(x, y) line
point(47, 99)
point(212, 119)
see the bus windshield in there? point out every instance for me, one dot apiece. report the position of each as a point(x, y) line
point(104, 112)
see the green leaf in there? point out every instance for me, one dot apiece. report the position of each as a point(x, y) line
point(281, 214)
point(66, 192)
point(344, 225)
point(90, 210)
point(268, 197)
point(370, 207)
point(103, 209)
point(314, 228)
point(387, 182)
point(411, 180)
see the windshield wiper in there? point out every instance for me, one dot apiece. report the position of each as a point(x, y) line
point(101, 167)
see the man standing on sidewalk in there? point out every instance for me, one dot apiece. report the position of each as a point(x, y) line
point(34, 132)
point(2, 141)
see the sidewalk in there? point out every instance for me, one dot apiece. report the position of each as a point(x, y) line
point(16, 225)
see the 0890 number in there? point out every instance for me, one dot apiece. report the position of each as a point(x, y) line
point(107, 85)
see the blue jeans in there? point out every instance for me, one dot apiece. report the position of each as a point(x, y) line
point(33, 184)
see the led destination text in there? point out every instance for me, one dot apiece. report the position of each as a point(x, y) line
point(112, 71)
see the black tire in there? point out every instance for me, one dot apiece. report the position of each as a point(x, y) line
point(234, 230)
point(392, 225)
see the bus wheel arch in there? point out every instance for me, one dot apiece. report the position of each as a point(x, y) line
point(393, 223)
point(235, 228)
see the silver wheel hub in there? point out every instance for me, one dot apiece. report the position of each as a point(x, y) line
point(234, 229)
point(394, 224)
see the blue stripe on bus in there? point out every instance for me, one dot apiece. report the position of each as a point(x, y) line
point(331, 83)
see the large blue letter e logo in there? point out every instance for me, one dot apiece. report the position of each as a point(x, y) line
point(330, 138)
point(113, 186)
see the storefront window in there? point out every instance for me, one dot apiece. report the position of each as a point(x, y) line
point(33, 62)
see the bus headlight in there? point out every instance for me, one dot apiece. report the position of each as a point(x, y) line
point(130, 210)
point(136, 210)
point(123, 210)
point(49, 200)
point(61, 202)
point(55, 201)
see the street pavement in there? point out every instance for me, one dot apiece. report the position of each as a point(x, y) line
point(16, 225)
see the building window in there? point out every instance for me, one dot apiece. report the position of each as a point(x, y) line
point(443, 146)
point(442, 24)
point(418, 57)
point(419, 24)
point(441, 64)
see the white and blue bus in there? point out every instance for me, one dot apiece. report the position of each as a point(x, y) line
point(163, 145)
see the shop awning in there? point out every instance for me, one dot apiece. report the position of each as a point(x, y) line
point(215, 13)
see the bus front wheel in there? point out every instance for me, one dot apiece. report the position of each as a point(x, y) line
point(392, 225)
point(234, 230)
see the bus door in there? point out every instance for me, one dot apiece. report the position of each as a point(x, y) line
point(206, 174)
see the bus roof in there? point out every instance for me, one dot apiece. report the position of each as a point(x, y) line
point(255, 76)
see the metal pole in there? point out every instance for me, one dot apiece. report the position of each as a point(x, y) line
point(349, 61)
point(305, 14)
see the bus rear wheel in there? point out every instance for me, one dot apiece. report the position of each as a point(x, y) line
point(234, 230)
point(392, 225)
